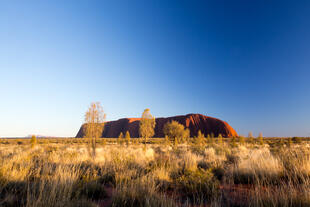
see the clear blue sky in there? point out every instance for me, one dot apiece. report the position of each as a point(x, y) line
point(246, 62)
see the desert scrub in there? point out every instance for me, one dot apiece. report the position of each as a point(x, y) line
point(35, 178)
point(33, 141)
point(140, 193)
point(199, 186)
point(92, 190)
point(255, 166)
point(198, 149)
point(63, 174)
point(296, 162)
point(283, 195)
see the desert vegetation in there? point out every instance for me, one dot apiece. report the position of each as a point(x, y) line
point(199, 171)
point(177, 170)
point(147, 125)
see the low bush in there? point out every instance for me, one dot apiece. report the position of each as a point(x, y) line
point(198, 186)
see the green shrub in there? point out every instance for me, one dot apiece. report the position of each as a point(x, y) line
point(93, 190)
point(220, 139)
point(260, 138)
point(200, 139)
point(120, 138)
point(233, 142)
point(140, 194)
point(296, 139)
point(175, 130)
point(127, 137)
point(290, 142)
point(167, 141)
point(241, 139)
point(198, 186)
point(33, 141)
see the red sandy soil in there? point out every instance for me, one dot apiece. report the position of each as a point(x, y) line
point(108, 200)
point(236, 194)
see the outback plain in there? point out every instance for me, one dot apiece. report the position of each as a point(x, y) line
point(199, 171)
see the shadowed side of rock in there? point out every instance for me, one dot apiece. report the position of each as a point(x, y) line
point(194, 122)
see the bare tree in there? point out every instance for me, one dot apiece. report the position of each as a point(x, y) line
point(94, 125)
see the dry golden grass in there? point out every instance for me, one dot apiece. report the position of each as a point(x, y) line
point(61, 172)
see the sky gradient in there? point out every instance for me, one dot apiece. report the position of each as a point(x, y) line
point(245, 62)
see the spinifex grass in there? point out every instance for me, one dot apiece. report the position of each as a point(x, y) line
point(60, 172)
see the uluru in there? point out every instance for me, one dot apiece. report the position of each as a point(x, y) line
point(194, 122)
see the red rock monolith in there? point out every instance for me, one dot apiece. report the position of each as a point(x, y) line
point(194, 122)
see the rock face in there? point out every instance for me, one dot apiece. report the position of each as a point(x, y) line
point(194, 122)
